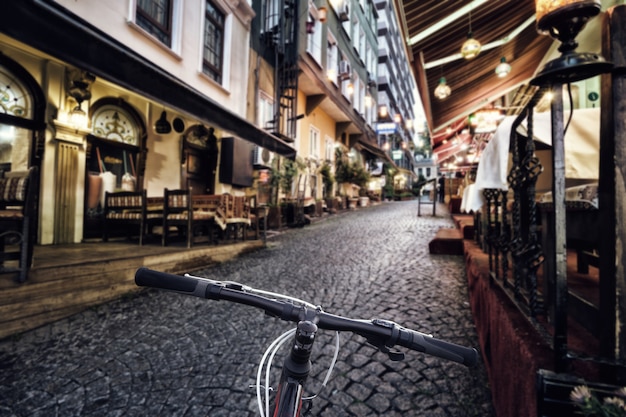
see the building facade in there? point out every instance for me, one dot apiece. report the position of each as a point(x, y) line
point(396, 96)
point(109, 96)
point(315, 68)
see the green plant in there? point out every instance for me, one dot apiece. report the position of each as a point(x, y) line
point(417, 186)
point(350, 172)
point(591, 406)
point(282, 175)
point(327, 178)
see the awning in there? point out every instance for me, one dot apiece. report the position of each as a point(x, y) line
point(374, 150)
point(52, 29)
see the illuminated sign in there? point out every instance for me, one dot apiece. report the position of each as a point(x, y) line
point(383, 128)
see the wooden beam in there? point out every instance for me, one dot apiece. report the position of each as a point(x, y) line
point(313, 101)
point(340, 128)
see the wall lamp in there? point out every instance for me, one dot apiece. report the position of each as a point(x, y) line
point(162, 126)
point(321, 14)
point(78, 86)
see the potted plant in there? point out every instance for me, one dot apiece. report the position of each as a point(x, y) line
point(350, 172)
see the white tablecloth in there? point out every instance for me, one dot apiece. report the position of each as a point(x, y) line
point(582, 145)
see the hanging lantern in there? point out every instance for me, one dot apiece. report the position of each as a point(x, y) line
point(503, 68)
point(471, 47)
point(443, 90)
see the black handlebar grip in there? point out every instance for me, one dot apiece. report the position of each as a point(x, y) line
point(427, 344)
point(145, 277)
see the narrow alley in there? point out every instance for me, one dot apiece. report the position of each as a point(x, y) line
point(164, 354)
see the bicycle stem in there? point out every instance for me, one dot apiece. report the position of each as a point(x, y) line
point(295, 371)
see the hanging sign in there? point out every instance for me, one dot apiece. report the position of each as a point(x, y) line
point(385, 128)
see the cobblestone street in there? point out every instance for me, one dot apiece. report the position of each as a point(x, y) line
point(163, 354)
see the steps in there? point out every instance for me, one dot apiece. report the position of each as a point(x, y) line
point(447, 241)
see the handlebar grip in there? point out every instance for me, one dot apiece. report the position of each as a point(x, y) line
point(145, 277)
point(428, 344)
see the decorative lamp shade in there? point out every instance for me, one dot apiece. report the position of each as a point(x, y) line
point(443, 90)
point(563, 20)
point(546, 9)
point(471, 47)
point(78, 118)
point(503, 68)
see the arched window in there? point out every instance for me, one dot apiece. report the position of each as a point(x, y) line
point(22, 106)
point(117, 142)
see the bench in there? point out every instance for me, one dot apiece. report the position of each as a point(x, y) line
point(18, 212)
point(128, 208)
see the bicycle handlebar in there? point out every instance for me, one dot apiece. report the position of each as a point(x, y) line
point(382, 333)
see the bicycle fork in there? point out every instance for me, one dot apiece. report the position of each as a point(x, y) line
point(295, 371)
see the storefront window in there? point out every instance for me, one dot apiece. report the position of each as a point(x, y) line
point(115, 157)
point(15, 142)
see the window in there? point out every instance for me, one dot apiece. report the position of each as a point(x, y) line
point(314, 142)
point(361, 46)
point(347, 87)
point(213, 54)
point(332, 62)
point(272, 11)
point(115, 124)
point(355, 34)
point(17, 103)
point(314, 39)
point(266, 111)
point(329, 148)
point(155, 17)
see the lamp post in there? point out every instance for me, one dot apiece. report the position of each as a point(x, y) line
point(563, 20)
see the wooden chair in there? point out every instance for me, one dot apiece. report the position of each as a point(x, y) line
point(233, 216)
point(18, 212)
point(204, 209)
point(187, 212)
point(177, 212)
point(257, 215)
point(128, 208)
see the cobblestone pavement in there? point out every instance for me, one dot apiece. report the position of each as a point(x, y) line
point(163, 354)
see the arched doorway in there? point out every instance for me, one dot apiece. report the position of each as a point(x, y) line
point(22, 127)
point(115, 157)
point(199, 159)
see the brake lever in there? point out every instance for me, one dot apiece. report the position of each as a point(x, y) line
point(382, 344)
point(378, 343)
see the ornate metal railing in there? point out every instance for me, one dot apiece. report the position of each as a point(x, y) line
point(510, 230)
